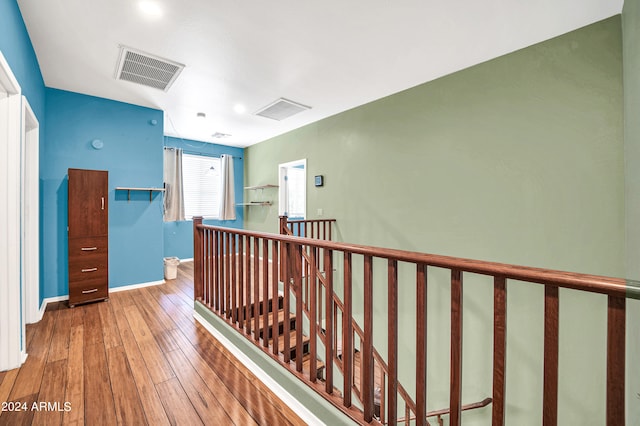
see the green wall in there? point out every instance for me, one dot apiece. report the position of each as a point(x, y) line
point(631, 49)
point(516, 160)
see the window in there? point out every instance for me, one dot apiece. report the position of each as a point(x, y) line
point(201, 182)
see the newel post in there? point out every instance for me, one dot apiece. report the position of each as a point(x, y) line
point(283, 225)
point(198, 282)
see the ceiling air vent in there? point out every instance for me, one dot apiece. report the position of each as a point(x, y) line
point(281, 109)
point(148, 70)
point(219, 135)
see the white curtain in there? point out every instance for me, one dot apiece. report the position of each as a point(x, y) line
point(173, 196)
point(227, 194)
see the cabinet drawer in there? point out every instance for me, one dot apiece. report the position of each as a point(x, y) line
point(88, 291)
point(88, 246)
point(88, 268)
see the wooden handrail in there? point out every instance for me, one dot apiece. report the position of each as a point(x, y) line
point(233, 277)
point(617, 287)
point(445, 411)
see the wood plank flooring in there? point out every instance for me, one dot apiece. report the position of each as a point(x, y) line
point(139, 358)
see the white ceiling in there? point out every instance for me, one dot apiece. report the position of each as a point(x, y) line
point(332, 55)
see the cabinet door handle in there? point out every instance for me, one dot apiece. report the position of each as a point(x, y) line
point(102, 203)
point(93, 290)
point(90, 270)
point(89, 248)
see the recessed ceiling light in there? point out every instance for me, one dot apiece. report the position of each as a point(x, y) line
point(240, 109)
point(150, 9)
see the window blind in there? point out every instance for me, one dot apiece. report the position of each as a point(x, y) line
point(201, 181)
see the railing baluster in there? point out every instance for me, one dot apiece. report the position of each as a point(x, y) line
point(275, 298)
point(256, 289)
point(198, 282)
point(499, 348)
point(392, 335)
point(248, 275)
point(313, 316)
point(227, 275)
point(297, 282)
point(205, 267)
point(347, 332)
point(329, 320)
point(234, 283)
point(210, 265)
point(241, 299)
point(550, 393)
point(455, 387)
point(367, 350)
point(421, 344)
point(265, 292)
point(383, 401)
point(288, 273)
point(217, 277)
point(616, 327)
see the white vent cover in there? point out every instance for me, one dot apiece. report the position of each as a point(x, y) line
point(281, 109)
point(219, 135)
point(149, 70)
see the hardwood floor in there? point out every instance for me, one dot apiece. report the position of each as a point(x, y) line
point(139, 358)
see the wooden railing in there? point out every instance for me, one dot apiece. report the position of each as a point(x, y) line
point(310, 228)
point(237, 275)
point(294, 228)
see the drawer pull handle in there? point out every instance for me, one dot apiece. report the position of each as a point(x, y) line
point(93, 290)
point(90, 270)
point(89, 248)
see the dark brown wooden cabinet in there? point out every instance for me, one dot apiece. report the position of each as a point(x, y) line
point(88, 235)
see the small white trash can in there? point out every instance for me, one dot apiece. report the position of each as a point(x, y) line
point(171, 268)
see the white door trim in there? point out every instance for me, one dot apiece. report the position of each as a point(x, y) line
point(11, 350)
point(30, 214)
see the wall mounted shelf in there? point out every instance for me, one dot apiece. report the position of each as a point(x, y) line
point(256, 203)
point(129, 189)
point(253, 188)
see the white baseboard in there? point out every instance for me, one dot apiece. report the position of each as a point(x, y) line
point(48, 300)
point(190, 259)
point(302, 411)
point(134, 286)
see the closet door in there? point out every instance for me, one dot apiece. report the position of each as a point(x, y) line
point(88, 203)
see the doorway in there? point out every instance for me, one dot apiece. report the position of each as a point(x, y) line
point(293, 189)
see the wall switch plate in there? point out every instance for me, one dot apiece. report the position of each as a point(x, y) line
point(320, 212)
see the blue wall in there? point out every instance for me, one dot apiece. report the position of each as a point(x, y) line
point(16, 47)
point(178, 236)
point(132, 154)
